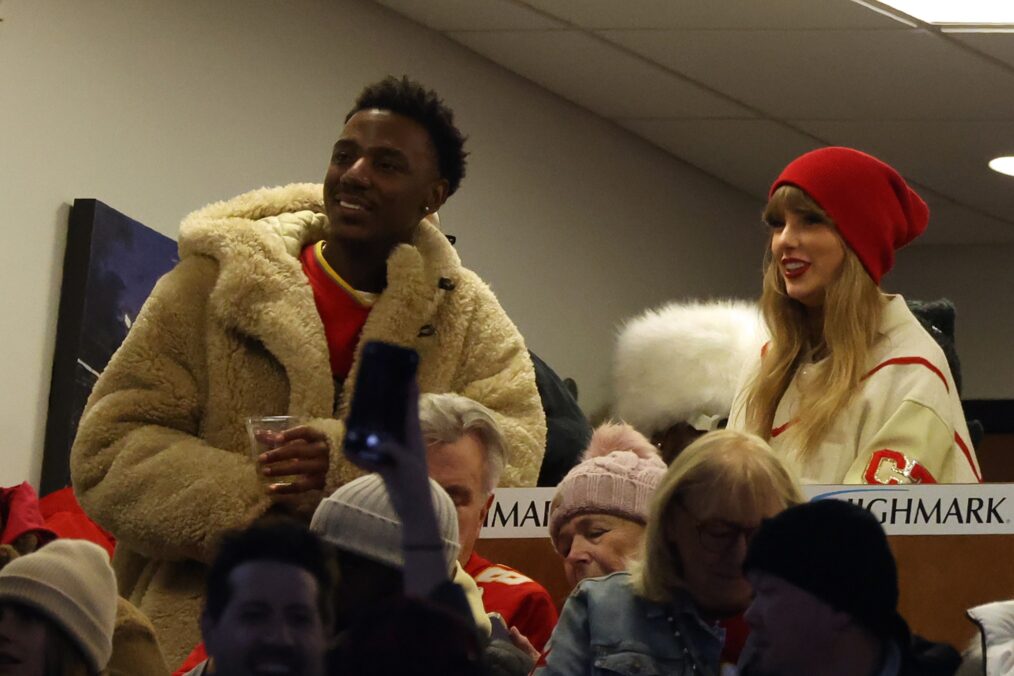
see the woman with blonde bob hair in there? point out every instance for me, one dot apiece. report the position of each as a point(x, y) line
point(850, 388)
point(663, 616)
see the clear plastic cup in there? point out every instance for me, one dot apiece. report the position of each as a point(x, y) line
point(260, 431)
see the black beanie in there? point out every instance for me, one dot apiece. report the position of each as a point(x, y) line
point(839, 553)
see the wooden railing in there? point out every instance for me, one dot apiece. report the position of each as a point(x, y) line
point(940, 575)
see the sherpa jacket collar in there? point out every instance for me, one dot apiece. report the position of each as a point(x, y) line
point(261, 290)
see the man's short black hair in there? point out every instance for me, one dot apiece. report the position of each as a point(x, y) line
point(277, 539)
point(409, 98)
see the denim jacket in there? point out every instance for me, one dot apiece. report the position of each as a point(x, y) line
point(606, 629)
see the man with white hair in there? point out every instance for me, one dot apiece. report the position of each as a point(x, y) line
point(466, 452)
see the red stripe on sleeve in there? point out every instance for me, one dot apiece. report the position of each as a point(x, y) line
point(778, 430)
point(911, 360)
point(968, 456)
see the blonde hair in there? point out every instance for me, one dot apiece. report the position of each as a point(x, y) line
point(852, 308)
point(724, 467)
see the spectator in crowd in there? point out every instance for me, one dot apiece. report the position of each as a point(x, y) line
point(365, 529)
point(938, 317)
point(662, 617)
point(567, 427)
point(598, 514)
point(411, 505)
point(135, 649)
point(466, 453)
point(268, 602)
point(825, 600)
point(851, 388)
point(58, 611)
point(593, 531)
point(677, 367)
point(265, 314)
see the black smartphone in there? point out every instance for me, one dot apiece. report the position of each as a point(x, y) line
point(377, 414)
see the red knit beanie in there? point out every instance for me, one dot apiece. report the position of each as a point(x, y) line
point(875, 210)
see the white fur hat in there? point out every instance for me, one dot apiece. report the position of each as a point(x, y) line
point(683, 361)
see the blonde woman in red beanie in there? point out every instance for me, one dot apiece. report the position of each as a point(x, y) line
point(851, 388)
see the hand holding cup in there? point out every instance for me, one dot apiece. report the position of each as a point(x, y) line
point(291, 457)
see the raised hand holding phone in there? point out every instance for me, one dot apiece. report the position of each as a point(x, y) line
point(379, 406)
point(382, 435)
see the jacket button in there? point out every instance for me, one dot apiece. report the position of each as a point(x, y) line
point(427, 331)
point(446, 283)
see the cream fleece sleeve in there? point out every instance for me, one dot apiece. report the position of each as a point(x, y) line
point(138, 464)
point(914, 445)
point(498, 373)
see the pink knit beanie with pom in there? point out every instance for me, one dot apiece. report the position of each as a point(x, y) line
point(617, 475)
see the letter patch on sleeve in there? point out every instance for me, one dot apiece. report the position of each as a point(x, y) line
point(502, 576)
point(892, 468)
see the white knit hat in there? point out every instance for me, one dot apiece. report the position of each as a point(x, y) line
point(359, 517)
point(682, 363)
point(71, 583)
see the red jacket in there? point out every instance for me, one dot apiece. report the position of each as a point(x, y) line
point(65, 518)
point(20, 515)
point(523, 602)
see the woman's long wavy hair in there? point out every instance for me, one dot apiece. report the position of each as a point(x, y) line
point(852, 308)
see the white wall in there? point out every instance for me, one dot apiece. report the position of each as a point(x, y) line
point(979, 279)
point(159, 108)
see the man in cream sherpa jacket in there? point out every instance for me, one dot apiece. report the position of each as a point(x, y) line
point(161, 458)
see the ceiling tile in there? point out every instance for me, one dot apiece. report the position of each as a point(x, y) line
point(745, 153)
point(951, 223)
point(899, 74)
point(947, 156)
point(444, 15)
point(997, 45)
point(839, 72)
point(712, 14)
point(596, 75)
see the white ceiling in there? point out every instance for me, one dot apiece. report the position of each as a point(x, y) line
point(740, 87)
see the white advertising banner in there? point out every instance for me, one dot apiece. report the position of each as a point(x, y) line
point(931, 509)
point(518, 513)
point(925, 509)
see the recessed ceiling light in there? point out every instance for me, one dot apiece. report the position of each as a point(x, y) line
point(973, 12)
point(1004, 165)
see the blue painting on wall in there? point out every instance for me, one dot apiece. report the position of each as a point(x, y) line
point(110, 267)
